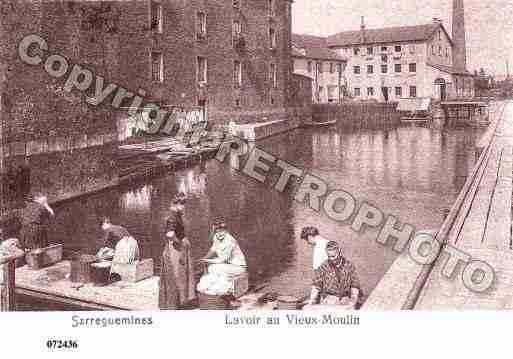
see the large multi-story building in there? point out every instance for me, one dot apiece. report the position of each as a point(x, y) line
point(325, 67)
point(388, 64)
point(231, 57)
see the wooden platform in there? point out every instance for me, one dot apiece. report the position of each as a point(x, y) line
point(482, 229)
point(52, 284)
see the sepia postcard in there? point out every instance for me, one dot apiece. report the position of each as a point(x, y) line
point(189, 168)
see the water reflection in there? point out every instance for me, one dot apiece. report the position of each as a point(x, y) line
point(411, 172)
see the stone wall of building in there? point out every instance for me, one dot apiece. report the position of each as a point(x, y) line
point(114, 40)
point(326, 79)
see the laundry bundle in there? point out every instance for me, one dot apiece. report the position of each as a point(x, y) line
point(215, 284)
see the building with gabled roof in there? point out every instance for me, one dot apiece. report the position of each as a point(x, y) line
point(313, 58)
point(388, 64)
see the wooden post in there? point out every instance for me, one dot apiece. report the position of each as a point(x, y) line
point(7, 296)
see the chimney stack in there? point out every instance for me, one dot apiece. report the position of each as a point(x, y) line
point(459, 57)
point(362, 31)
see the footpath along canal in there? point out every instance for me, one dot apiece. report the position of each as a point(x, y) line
point(410, 171)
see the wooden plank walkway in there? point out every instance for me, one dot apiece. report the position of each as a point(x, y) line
point(52, 284)
point(482, 229)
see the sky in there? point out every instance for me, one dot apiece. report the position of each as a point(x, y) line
point(489, 23)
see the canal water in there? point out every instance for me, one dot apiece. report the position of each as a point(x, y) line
point(411, 172)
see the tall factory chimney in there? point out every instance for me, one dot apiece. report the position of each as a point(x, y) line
point(458, 35)
point(362, 31)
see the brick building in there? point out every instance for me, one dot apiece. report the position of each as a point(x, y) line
point(325, 67)
point(231, 56)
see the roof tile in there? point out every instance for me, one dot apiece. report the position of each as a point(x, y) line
point(315, 47)
point(383, 35)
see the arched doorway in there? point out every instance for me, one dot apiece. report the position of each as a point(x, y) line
point(440, 83)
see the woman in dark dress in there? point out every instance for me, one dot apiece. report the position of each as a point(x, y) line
point(35, 219)
point(177, 285)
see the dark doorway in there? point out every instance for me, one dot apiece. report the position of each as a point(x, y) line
point(443, 88)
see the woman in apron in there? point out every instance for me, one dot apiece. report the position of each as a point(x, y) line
point(177, 285)
point(35, 222)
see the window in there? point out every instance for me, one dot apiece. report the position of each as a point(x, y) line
point(332, 67)
point(357, 91)
point(447, 52)
point(440, 35)
point(370, 69)
point(356, 70)
point(370, 91)
point(318, 67)
point(412, 48)
point(157, 73)
point(271, 7)
point(384, 69)
point(398, 48)
point(237, 74)
point(331, 93)
point(384, 48)
point(156, 16)
point(201, 70)
point(413, 91)
point(356, 50)
point(397, 67)
point(201, 30)
point(272, 75)
point(237, 102)
point(309, 65)
point(272, 38)
point(384, 58)
point(339, 68)
point(370, 50)
point(236, 4)
point(399, 91)
point(413, 67)
point(236, 31)
point(440, 50)
point(433, 49)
